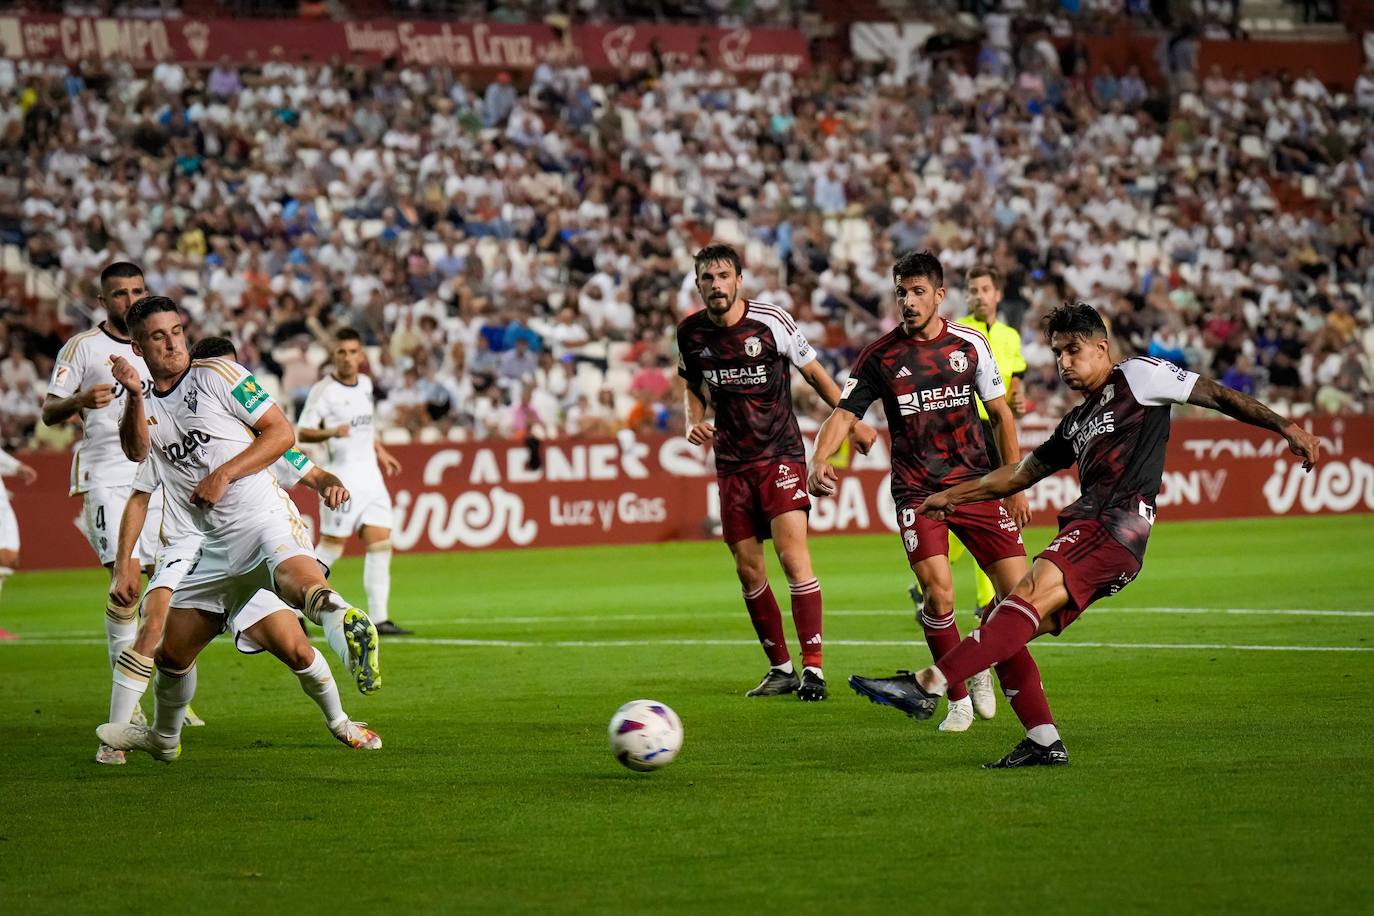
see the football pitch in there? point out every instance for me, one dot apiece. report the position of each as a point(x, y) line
point(1218, 714)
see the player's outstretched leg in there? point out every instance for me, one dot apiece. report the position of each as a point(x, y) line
point(1020, 678)
point(279, 634)
point(349, 631)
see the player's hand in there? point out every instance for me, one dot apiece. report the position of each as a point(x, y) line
point(97, 396)
point(822, 480)
point(390, 466)
point(210, 490)
point(1018, 507)
point(27, 474)
point(332, 491)
point(938, 506)
point(1303, 444)
point(124, 589)
point(863, 436)
point(1016, 401)
point(701, 434)
point(342, 430)
point(125, 373)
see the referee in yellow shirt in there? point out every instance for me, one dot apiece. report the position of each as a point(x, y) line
point(984, 295)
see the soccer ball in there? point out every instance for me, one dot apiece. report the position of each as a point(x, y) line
point(645, 735)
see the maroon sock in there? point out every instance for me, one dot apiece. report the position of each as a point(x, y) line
point(806, 617)
point(1020, 678)
point(942, 635)
point(1008, 628)
point(767, 618)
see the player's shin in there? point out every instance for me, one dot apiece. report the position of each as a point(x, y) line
point(121, 626)
point(766, 616)
point(942, 636)
point(806, 617)
point(1008, 628)
point(377, 580)
point(174, 690)
point(132, 672)
point(1020, 679)
point(318, 683)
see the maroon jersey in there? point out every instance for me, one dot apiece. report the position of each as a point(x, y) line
point(927, 389)
point(1118, 436)
point(745, 367)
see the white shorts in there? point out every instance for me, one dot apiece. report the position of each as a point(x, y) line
point(102, 509)
point(173, 562)
point(368, 505)
point(264, 603)
point(232, 568)
point(9, 526)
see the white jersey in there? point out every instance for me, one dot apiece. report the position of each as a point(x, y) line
point(201, 423)
point(331, 404)
point(98, 460)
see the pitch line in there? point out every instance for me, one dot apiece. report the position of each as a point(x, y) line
point(680, 643)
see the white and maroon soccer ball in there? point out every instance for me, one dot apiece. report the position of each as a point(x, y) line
point(645, 735)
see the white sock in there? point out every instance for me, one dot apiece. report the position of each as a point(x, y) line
point(785, 667)
point(938, 684)
point(131, 674)
point(377, 580)
point(814, 670)
point(1043, 735)
point(5, 573)
point(119, 632)
point(318, 683)
point(328, 553)
point(174, 691)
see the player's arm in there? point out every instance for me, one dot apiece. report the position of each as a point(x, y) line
point(10, 465)
point(133, 423)
point(1004, 428)
point(1003, 482)
point(274, 437)
point(1212, 394)
point(821, 478)
point(310, 426)
point(330, 488)
point(821, 382)
point(124, 587)
point(694, 405)
point(390, 464)
point(63, 400)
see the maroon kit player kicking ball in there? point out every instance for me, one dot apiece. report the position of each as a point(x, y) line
point(734, 356)
point(1117, 436)
point(926, 371)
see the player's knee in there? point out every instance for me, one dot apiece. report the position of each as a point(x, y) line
point(939, 599)
point(173, 659)
point(9, 560)
point(299, 655)
point(751, 574)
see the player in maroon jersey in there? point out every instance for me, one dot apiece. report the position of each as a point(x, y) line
point(734, 356)
point(926, 371)
point(1117, 436)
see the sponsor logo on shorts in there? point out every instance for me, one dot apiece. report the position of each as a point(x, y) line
point(250, 394)
point(786, 478)
point(798, 495)
point(1067, 539)
point(910, 540)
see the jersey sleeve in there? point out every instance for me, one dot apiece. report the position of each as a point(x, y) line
point(861, 388)
point(987, 378)
point(1156, 382)
point(236, 389)
point(687, 366)
point(312, 414)
point(291, 467)
point(145, 478)
point(67, 372)
point(1056, 451)
point(797, 348)
point(8, 463)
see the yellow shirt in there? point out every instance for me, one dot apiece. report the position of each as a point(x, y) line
point(1005, 342)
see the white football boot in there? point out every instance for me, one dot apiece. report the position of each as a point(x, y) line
point(983, 696)
point(959, 716)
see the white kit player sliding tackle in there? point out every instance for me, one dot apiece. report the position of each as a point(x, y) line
point(339, 412)
point(211, 432)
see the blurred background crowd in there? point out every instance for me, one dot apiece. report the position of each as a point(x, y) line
point(518, 252)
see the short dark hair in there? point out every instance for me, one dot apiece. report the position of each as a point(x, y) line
point(919, 264)
point(1076, 319)
point(146, 308)
point(718, 251)
point(986, 270)
point(120, 270)
point(211, 347)
point(343, 334)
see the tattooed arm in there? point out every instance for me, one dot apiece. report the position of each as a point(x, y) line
point(1004, 481)
point(1211, 393)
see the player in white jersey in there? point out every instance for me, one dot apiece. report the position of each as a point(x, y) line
point(82, 383)
point(9, 525)
point(339, 412)
point(211, 432)
point(179, 551)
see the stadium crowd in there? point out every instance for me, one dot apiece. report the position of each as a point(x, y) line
point(517, 256)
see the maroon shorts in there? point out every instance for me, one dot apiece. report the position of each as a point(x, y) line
point(750, 499)
point(1094, 564)
point(986, 529)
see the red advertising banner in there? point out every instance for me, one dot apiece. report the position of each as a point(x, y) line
point(420, 43)
point(475, 496)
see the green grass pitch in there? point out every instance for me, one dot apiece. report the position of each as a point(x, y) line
point(1221, 761)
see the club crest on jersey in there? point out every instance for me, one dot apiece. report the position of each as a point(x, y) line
point(958, 361)
point(192, 399)
point(752, 346)
point(1107, 394)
